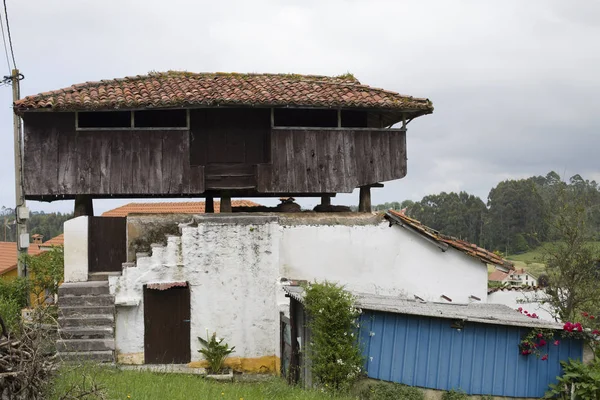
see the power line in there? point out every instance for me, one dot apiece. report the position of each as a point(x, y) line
point(5, 46)
point(9, 37)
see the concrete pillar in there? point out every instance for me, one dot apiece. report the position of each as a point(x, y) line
point(76, 249)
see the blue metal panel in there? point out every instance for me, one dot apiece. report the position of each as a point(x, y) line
point(480, 359)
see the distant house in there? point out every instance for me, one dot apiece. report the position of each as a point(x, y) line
point(473, 348)
point(518, 277)
point(530, 299)
point(186, 207)
point(8, 253)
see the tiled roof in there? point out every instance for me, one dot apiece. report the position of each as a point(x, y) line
point(185, 89)
point(8, 255)
point(55, 241)
point(515, 289)
point(471, 249)
point(498, 276)
point(189, 207)
point(485, 313)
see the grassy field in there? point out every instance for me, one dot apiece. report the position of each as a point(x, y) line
point(136, 385)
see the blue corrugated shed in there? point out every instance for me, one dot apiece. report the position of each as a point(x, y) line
point(480, 359)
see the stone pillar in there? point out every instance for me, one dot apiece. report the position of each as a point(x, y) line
point(225, 203)
point(76, 249)
point(84, 206)
point(364, 203)
point(209, 205)
point(325, 200)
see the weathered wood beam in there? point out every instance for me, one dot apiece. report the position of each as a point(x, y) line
point(84, 206)
point(209, 205)
point(225, 203)
point(364, 202)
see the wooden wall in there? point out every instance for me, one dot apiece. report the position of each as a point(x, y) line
point(59, 160)
point(332, 160)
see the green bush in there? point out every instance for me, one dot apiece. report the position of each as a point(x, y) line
point(215, 352)
point(334, 351)
point(389, 391)
point(14, 294)
point(585, 377)
point(455, 395)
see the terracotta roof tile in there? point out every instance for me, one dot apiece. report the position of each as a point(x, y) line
point(190, 207)
point(8, 255)
point(461, 245)
point(185, 89)
point(498, 276)
point(55, 241)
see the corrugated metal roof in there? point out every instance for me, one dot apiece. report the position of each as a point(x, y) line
point(496, 314)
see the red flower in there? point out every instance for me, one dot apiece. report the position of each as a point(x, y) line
point(542, 342)
point(596, 332)
point(520, 309)
point(534, 315)
point(556, 342)
point(539, 335)
point(544, 357)
point(578, 327)
point(592, 317)
point(568, 327)
point(524, 352)
point(585, 314)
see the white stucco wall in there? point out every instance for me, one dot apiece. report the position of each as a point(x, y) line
point(382, 260)
point(232, 271)
point(529, 300)
point(234, 265)
point(76, 249)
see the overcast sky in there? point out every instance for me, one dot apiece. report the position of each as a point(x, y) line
point(515, 84)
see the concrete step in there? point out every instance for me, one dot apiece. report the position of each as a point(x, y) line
point(87, 332)
point(83, 356)
point(77, 345)
point(99, 300)
point(88, 320)
point(102, 276)
point(82, 311)
point(83, 288)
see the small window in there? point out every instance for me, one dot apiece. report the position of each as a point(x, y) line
point(354, 119)
point(306, 117)
point(161, 119)
point(104, 119)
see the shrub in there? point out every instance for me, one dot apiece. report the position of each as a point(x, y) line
point(585, 378)
point(215, 352)
point(334, 351)
point(13, 297)
point(389, 391)
point(454, 395)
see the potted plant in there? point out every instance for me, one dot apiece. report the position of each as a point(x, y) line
point(216, 352)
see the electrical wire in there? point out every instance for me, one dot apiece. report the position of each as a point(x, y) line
point(12, 52)
point(5, 46)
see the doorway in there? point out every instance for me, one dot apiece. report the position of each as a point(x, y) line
point(167, 323)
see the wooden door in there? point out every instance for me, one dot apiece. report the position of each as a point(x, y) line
point(167, 325)
point(107, 243)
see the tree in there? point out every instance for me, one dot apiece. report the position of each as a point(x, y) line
point(45, 272)
point(572, 262)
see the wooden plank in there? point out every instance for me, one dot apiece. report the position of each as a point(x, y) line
point(185, 163)
point(350, 165)
point(96, 165)
point(32, 161)
point(299, 162)
point(403, 155)
point(385, 158)
point(324, 159)
point(313, 182)
point(67, 162)
point(155, 169)
point(127, 184)
point(289, 168)
point(116, 165)
point(49, 155)
point(104, 161)
point(137, 184)
point(276, 155)
point(197, 184)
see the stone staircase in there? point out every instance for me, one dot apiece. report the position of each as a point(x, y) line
point(86, 322)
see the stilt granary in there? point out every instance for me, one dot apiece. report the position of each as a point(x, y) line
point(180, 134)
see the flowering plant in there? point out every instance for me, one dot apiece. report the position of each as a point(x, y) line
point(537, 342)
point(215, 352)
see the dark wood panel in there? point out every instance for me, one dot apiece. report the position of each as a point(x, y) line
point(167, 326)
point(155, 169)
point(67, 162)
point(107, 244)
point(196, 179)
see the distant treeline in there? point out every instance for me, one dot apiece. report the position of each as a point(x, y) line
point(47, 224)
point(518, 214)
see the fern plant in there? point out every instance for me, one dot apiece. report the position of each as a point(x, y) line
point(215, 352)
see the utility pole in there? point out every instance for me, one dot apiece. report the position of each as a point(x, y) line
point(21, 209)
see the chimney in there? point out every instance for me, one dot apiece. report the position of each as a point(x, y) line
point(37, 238)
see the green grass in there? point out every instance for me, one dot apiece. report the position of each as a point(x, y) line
point(142, 385)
